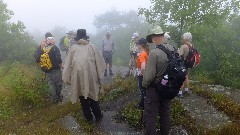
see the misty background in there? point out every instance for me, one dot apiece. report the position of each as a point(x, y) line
point(214, 24)
point(44, 15)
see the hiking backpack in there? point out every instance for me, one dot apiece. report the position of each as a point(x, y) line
point(45, 62)
point(169, 85)
point(61, 44)
point(193, 58)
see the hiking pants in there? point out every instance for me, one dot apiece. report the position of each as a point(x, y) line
point(55, 84)
point(107, 57)
point(142, 91)
point(154, 105)
point(90, 106)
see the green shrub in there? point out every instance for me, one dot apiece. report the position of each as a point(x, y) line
point(5, 109)
point(132, 115)
point(26, 83)
point(114, 94)
point(118, 87)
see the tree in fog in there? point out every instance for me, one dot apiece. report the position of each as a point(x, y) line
point(190, 13)
point(15, 43)
point(215, 28)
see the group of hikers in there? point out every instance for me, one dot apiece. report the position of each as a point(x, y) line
point(161, 72)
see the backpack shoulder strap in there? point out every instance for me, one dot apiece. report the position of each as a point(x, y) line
point(47, 50)
point(190, 47)
point(169, 54)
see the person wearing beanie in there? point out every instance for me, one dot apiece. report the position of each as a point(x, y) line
point(83, 70)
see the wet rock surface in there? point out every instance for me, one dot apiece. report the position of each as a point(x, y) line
point(231, 93)
point(71, 125)
point(178, 130)
point(109, 125)
point(204, 113)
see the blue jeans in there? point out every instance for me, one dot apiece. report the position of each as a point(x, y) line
point(142, 91)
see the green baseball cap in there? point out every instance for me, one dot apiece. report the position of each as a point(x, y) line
point(156, 30)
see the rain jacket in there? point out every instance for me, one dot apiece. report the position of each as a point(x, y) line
point(83, 70)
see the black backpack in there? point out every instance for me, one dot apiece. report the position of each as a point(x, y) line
point(169, 85)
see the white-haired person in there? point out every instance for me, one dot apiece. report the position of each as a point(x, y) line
point(183, 52)
point(167, 37)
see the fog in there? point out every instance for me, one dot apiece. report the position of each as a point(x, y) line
point(44, 15)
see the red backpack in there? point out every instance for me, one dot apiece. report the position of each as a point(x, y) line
point(193, 58)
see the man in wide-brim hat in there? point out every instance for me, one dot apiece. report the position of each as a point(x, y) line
point(154, 104)
point(83, 70)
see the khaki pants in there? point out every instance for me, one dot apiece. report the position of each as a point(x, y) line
point(154, 106)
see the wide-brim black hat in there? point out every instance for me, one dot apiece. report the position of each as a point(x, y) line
point(82, 34)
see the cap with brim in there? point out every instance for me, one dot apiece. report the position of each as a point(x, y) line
point(70, 32)
point(141, 41)
point(108, 33)
point(135, 35)
point(157, 30)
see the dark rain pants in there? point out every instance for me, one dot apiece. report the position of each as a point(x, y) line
point(142, 91)
point(90, 106)
point(154, 106)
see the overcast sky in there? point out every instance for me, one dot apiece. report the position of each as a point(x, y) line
point(72, 14)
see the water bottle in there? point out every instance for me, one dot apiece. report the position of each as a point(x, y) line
point(165, 80)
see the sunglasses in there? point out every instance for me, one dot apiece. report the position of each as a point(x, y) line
point(50, 38)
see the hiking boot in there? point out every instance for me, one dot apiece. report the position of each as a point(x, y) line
point(187, 92)
point(127, 74)
point(105, 73)
point(99, 118)
point(180, 95)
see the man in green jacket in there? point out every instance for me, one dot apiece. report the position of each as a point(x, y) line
point(154, 104)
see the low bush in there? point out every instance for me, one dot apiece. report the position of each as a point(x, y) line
point(26, 83)
point(118, 87)
point(132, 115)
